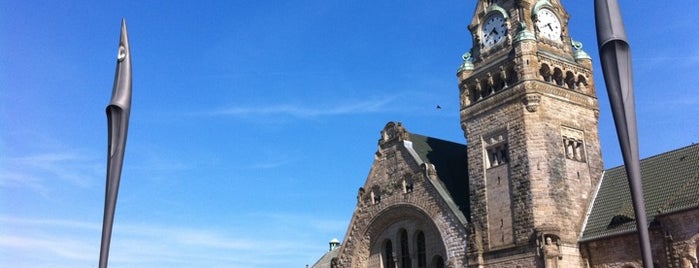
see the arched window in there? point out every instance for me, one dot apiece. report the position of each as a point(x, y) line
point(558, 76)
point(545, 72)
point(421, 252)
point(404, 251)
point(388, 261)
point(570, 80)
point(581, 83)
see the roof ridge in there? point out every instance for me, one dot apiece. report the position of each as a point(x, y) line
point(443, 140)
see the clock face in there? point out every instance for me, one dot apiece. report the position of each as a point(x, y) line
point(494, 30)
point(548, 24)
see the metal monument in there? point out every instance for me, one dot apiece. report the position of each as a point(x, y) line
point(615, 56)
point(118, 112)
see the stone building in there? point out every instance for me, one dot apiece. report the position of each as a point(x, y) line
point(529, 188)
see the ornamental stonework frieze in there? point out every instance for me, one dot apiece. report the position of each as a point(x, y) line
point(392, 132)
point(486, 83)
point(567, 75)
point(567, 95)
point(531, 102)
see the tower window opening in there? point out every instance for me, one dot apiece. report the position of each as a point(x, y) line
point(574, 149)
point(497, 155)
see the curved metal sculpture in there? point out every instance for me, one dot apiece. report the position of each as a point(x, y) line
point(615, 55)
point(118, 112)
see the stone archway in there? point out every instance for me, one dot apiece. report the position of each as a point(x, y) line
point(444, 235)
point(392, 224)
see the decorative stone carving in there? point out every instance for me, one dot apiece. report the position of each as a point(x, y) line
point(551, 251)
point(491, 84)
point(503, 76)
point(531, 102)
point(477, 90)
point(334, 263)
point(360, 194)
point(689, 251)
point(393, 131)
point(465, 98)
point(579, 53)
point(429, 170)
point(450, 264)
point(467, 64)
point(543, 232)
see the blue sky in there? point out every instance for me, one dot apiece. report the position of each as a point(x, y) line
point(254, 122)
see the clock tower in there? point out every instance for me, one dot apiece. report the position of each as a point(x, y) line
point(529, 112)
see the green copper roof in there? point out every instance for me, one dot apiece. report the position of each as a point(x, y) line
point(540, 4)
point(450, 161)
point(670, 184)
point(467, 64)
point(579, 52)
point(523, 33)
point(498, 8)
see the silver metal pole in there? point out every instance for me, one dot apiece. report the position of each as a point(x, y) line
point(615, 56)
point(118, 112)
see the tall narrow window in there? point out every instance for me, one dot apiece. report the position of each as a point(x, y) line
point(421, 252)
point(404, 251)
point(388, 255)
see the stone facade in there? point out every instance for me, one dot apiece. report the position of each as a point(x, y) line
point(545, 114)
point(529, 112)
point(400, 195)
point(674, 239)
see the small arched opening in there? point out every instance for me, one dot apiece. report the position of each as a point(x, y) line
point(545, 72)
point(558, 76)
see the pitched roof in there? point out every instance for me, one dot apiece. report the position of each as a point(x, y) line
point(450, 161)
point(324, 262)
point(670, 184)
